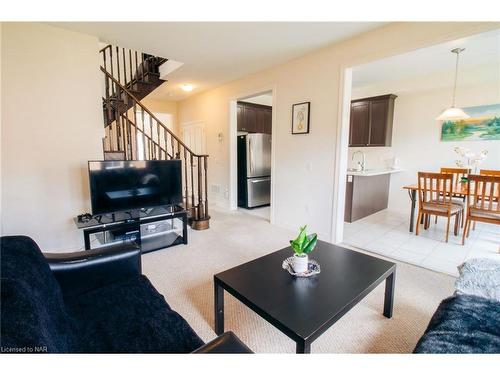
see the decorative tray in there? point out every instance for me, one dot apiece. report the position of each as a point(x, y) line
point(313, 268)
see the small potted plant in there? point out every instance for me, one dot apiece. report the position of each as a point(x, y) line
point(302, 246)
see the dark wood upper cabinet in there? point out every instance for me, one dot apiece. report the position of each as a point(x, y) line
point(268, 120)
point(359, 130)
point(254, 118)
point(371, 121)
point(241, 118)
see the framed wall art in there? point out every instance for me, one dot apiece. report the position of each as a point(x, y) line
point(300, 118)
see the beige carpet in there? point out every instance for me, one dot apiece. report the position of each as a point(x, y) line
point(184, 275)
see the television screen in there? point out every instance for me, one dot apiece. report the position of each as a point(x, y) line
point(128, 185)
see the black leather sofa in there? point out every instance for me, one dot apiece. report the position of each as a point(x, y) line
point(93, 301)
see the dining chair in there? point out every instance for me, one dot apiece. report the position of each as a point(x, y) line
point(486, 172)
point(458, 174)
point(489, 172)
point(435, 198)
point(483, 205)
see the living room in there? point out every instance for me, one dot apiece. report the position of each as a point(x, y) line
point(125, 238)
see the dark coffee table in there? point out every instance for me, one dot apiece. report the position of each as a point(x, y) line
point(304, 308)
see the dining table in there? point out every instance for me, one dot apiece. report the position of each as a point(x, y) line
point(458, 190)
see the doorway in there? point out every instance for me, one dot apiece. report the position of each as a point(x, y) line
point(252, 154)
point(193, 136)
point(376, 176)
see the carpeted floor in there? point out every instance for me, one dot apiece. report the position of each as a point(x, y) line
point(184, 275)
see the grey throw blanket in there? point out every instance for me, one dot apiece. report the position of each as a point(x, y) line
point(479, 277)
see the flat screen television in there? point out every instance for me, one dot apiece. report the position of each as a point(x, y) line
point(131, 185)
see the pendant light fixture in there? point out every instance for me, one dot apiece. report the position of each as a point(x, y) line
point(453, 113)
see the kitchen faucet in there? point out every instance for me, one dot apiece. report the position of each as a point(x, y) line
point(364, 158)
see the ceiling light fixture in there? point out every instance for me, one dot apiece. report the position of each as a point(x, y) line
point(187, 87)
point(453, 113)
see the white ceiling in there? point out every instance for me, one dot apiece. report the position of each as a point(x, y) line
point(264, 99)
point(216, 52)
point(481, 50)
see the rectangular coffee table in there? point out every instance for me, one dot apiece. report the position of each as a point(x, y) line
point(304, 308)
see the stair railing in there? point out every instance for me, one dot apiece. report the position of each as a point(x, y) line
point(140, 135)
point(128, 66)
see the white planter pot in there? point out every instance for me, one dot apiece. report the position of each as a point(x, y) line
point(300, 262)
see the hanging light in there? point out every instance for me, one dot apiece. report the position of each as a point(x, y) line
point(453, 113)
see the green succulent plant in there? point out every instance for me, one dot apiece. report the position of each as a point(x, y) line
point(304, 243)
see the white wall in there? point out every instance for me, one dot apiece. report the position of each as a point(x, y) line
point(51, 126)
point(416, 133)
point(303, 176)
point(1, 131)
point(163, 107)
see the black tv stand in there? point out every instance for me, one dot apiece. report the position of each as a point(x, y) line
point(150, 229)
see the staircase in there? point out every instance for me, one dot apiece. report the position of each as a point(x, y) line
point(133, 132)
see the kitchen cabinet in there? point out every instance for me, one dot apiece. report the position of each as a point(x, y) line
point(371, 121)
point(365, 195)
point(254, 118)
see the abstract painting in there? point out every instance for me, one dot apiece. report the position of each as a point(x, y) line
point(483, 125)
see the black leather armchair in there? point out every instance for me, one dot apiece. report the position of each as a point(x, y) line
point(82, 271)
point(94, 301)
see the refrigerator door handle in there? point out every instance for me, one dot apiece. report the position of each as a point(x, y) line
point(250, 151)
point(257, 180)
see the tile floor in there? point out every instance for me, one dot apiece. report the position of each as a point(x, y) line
point(386, 233)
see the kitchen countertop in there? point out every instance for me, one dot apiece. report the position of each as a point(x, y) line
point(373, 172)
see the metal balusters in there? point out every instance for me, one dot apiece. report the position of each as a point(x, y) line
point(129, 142)
point(185, 177)
point(192, 181)
point(143, 135)
point(118, 64)
point(124, 67)
point(165, 137)
point(205, 164)
point(130, 64)
point(111, 61)
point(172, 146)
point(152, 155)
point(200, 198)
point(136, 66)
point(143, 65)
point(124, 134)
point(159, 142)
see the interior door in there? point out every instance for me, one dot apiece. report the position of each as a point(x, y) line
point(193, 136)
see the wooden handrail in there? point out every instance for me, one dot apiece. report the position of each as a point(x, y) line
point(125, 118)
point(125, 129)
point(150, 113)
point(105, 48)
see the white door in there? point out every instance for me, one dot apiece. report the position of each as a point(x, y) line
point(193, 136)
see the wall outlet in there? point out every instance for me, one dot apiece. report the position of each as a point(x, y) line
point(215, 188)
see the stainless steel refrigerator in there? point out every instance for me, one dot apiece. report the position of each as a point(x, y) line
point(254, 170)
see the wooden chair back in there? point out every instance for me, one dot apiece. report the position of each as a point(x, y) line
point(484, 192)
point(435, 188)
point(489, 172)
point(457, 173)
